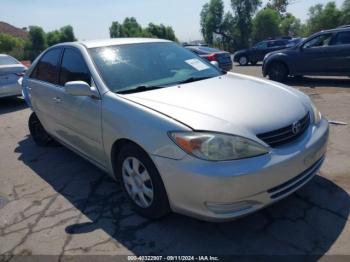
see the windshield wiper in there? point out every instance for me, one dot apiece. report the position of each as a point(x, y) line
point(193, 79)
point(139, 89)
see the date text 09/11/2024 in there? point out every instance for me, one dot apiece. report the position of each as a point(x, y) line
point(173, 258)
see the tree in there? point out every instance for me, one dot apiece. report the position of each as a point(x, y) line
point(53, 38)
point(290, 26)
point(116, 30)
point(131, 28)
point(212, 19)
point(244, 10)
point(278, 5)
point(67, 34)
point(64, 34)
point(12, 46)
point(160, 31)
point(36, 42)
point(323, 17)
point(345, 19)
point(266, 24)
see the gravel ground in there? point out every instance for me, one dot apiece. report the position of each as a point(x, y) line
point(52, 202)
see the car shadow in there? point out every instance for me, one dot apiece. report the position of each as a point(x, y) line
point(308, 222)
point(314, 82)
point(11, 104)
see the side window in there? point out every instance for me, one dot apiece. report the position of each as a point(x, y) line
point(342, 38)
point(319, 41)
point(73, 68)
point(47, 68)
point(261, 45)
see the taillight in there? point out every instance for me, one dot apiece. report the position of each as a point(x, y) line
point(211, 57)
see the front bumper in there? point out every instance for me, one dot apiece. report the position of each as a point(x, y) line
point(220, 191)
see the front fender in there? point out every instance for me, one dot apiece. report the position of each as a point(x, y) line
point(124, 119)
point(278, 57)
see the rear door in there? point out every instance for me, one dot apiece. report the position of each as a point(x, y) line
point(43, 89)
point(340, 45)
point(79, 116)
point(259, 51)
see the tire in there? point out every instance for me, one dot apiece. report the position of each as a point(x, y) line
point(253, 62)
point(38, 133)
point(243, 61)
point(140, 177)
point(277, 72)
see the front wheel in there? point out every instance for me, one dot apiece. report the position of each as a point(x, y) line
point(38, 132)
point(277, 72)
point(141, 182)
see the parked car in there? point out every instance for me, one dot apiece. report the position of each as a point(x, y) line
point(257, 52)
point(179, 133)
point(325, 53)
point(11, 72)
point(212, 54)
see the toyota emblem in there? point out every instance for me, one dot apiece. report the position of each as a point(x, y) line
point(296, 127)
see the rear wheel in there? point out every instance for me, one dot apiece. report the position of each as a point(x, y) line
point(38, 133)
point(277, 72)
point(243, 61)
point(141, 182)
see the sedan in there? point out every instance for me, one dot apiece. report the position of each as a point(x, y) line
point(11, 73)
point(178, 133)
point(223, 58)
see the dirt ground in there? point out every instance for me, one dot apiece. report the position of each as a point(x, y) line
point(52, 202)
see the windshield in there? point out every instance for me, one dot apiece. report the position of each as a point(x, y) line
point(8, 60)
point(126, 67)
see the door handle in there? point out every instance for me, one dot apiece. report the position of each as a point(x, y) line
point(57, 100)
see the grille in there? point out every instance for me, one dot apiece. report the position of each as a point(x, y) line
point(295, 182)
point(285, 135)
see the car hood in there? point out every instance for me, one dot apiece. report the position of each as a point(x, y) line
point(241, 51)
point(231, 103)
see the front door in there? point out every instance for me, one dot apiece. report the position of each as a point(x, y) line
point(79, 116)
point(314, 55)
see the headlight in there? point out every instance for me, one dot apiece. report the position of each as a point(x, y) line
point(217, 147)
point(317, 113)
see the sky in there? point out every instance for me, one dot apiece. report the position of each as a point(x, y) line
point(91, 19)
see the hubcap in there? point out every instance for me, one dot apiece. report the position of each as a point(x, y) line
point(243, 60)
point(137, 182)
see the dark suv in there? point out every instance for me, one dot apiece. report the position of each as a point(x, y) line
point(258, 51)
point(325, 53)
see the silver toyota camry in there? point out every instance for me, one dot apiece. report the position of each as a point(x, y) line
point(179, 133)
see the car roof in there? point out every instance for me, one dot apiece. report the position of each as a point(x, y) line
point(338, 29)
point(120, 41)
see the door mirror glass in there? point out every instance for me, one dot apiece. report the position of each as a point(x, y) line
point(78, 88)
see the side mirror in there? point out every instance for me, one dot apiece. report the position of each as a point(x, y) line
point(78, 88)
point(215, 63)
